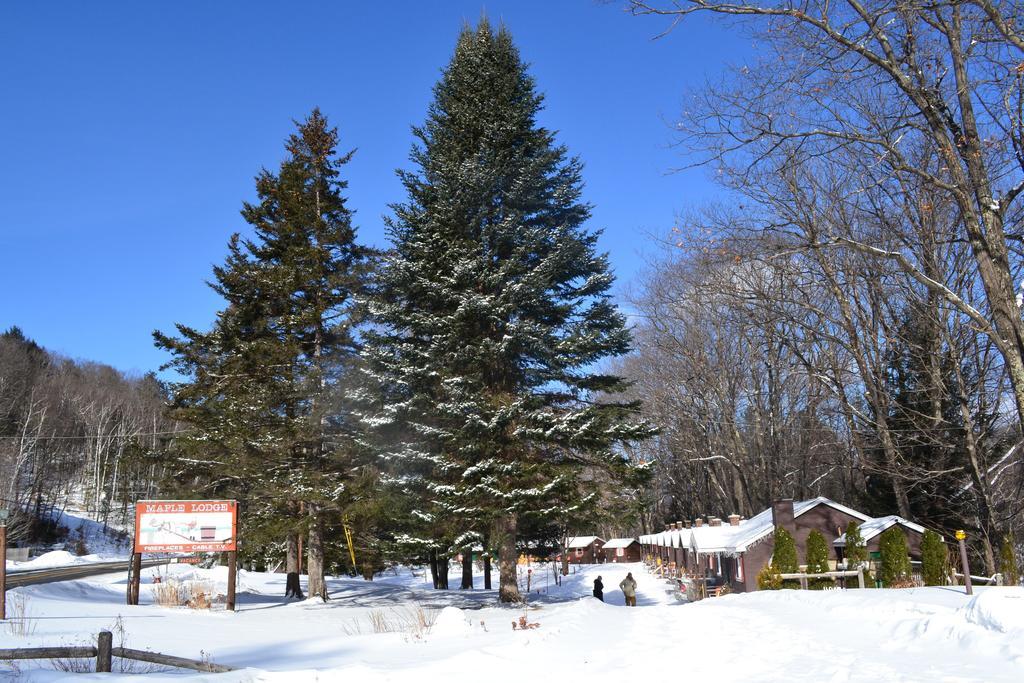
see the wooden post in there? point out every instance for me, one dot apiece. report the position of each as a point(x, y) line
point(232, 568)
point(136, 579)
point(961, 537)
point(131, 581)
point(860, 577)
point(3, 569)
point(104, 645)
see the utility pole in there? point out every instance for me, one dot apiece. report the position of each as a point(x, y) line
point(3, 563)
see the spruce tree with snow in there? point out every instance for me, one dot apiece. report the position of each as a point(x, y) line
point(494, 309)
point(784, 557)
point(934, 559)
point(894, 569)
point(261, 390)
point(816, 556)
point(855, 552)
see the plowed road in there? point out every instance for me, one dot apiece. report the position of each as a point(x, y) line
point(75, 571)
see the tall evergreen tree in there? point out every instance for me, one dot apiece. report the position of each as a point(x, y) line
point(855, 552)
point(494, 308)
point(817, 559)
point(260, 389)
point(784, 557)
point(934, 559)
point(894, 569)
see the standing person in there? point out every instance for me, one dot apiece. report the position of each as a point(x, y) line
point(599, 589)
point(628, 587)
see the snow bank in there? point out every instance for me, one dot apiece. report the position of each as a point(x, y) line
point(451, 621)
point(999, 610)
point(56, 558)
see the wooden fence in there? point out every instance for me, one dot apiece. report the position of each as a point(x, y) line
point(104, 652)
point(803, 576)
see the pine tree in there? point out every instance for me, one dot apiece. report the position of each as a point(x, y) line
point(817, 559)
point(895, 563)
point(856, 553)
point(494, 308)
point(1008, 562)
point(934, 559)
point(260, 394)
point(784, 557)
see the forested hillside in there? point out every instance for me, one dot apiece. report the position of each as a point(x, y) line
point(75, 432)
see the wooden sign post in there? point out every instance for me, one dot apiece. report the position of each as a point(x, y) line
point(185, 526)
point(961, 536)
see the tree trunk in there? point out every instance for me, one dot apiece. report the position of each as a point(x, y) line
point(291, 557)
point(315, 554)
point(293, 588)
point(442, 573)
point(508, 585)
point(467, 569)
point(433, 570)
point(487, 561)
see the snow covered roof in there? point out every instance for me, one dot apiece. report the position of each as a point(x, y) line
point(877, 525)
point(582, 541)
point(735, 539)
point(620, 542)
point(761, 524)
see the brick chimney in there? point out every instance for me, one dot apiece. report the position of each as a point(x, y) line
point(687, 524)
point(782, 514)
point(672, 526)
point(679, 525)
point(734, 520)
point(714, 521)
point(698, 522)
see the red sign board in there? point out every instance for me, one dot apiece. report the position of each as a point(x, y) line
point(187, 526)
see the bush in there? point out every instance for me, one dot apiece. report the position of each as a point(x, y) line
point(784, 558)
point(1008, 562)
point(769, 579)
point(895, 565)
point(934, 559)
point(817, 560)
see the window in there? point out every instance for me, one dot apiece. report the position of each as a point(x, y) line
point(619, 552)
point(739, 568)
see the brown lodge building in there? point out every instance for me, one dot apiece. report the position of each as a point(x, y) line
point(737, 550)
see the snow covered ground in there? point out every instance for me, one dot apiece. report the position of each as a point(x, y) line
point(929, 634)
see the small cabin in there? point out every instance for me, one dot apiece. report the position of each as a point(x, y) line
point(621, 550)
point(585, 549)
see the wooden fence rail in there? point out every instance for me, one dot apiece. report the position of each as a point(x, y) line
point(803, 576)
point(48, 653)
point(168, 660)
point(104, 652)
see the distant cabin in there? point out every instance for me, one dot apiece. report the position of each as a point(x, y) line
point(622, 550)
point(585, 549)
point(733, 553)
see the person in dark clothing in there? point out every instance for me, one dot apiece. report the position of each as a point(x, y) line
point(599, 589)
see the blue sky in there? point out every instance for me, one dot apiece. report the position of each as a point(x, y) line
point(130, 134)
